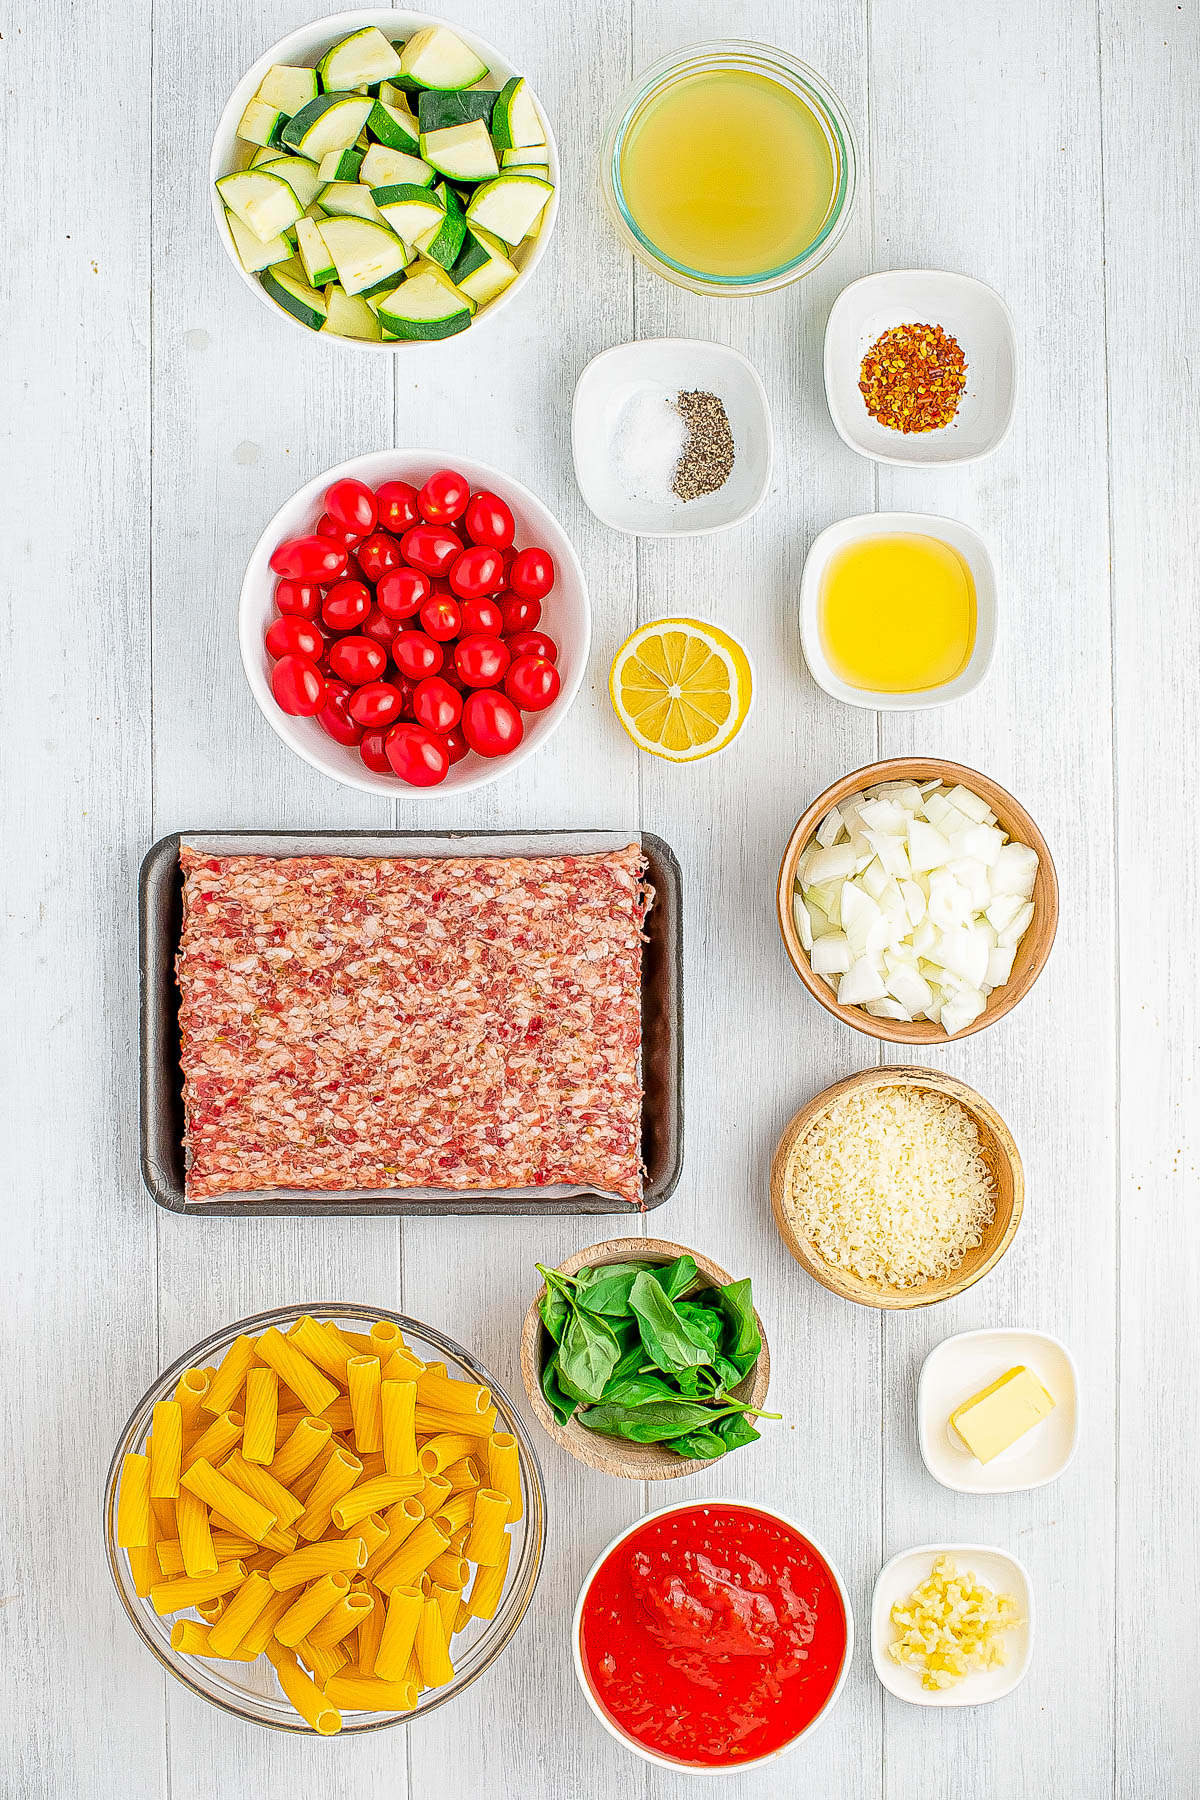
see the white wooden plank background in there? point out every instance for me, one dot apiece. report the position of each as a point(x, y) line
point(152, 417)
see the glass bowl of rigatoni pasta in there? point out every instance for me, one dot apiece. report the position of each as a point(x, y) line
point(325, 1519)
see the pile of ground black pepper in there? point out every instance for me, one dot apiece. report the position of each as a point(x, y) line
point(707, 457)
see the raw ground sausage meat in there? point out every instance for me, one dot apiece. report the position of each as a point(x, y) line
point(456, 1022)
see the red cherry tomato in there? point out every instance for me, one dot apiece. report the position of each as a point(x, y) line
point(489, 521)
point(295, 637)
point(533, 643)
point(376, 704)
point(376, 626)
point(481, 660)
point(491, 723)
point(455, 744)
point(531, 574)
point(309, 559)
point(329, 528)
point(352, 505)
point(430, 547)
point(444, 497)
point(520, 615)
point(357, 660)
point(416, 655)
point(397, 506)
point(333, 716)
point(478, 571)
point(482, 615)
point(436, 704)
point(416, 755)
point(533, 683)
point(298, 686)
point(298, 599)
point(378, 553)
point(373, 753)
point(346, 605)
point(402, 592)
point(441, 618)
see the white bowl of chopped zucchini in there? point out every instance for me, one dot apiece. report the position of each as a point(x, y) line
point(384, 179)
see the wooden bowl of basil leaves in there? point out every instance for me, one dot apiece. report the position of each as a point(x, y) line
point(645, 1359)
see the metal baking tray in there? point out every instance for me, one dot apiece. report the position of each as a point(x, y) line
point(161, 919)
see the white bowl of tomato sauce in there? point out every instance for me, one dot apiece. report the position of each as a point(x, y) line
point(712, 1636)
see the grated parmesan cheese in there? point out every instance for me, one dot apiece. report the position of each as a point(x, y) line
point(890, 1184)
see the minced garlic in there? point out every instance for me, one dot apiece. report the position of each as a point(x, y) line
point(951, 1625)
point(891, 1185)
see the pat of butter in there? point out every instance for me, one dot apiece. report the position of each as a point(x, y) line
point(992, 1420)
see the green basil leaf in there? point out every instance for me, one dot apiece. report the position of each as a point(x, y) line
point(735, 1429)
point(608, 1293)
point(706, 1320)
point(677, 1277)
point(587, 1355)
point(638, 1390)
point(705, 1444)
point(730, 1373)
point(743, 1341)
point(561, 1404)
point(669, 1340)
point(652, 1423)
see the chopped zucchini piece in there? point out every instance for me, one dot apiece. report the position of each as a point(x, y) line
point(436, 57)
point(515, 122)
point(347, 199)
point(288, 88)
point(341, 165)
point(330, 122)
point(264, 153)
point(393, 125)
point(408, 210)
point(261, 123)
point(510, 206)
point(295, 296)
point(536, 157)
point(350, 316)
point(358, 61)
point(382, 167)
point(487, 279)
point(253, 254)
point(464, 152)
point(423, 308)
point(318, 264)
point(442, 242)
point(363, 252)
point(264, 203)
point(302, 176)
point(436, 112)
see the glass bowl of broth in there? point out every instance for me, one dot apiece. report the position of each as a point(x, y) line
point(730, 168)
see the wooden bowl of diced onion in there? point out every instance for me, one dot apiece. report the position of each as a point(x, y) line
point(1032, 951)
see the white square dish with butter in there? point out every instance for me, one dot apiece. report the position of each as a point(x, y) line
point(997, 1410)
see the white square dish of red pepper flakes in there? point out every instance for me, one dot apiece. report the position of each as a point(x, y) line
point(352, 1023)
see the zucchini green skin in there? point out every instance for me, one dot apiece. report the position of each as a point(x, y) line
point(295, 297)
point(301, 123)
point(437, 110)
point(389, 126)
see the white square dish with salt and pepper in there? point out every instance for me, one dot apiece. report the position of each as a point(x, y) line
point(671, 437)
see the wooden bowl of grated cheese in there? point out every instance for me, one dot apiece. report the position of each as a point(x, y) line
point(897, 1187)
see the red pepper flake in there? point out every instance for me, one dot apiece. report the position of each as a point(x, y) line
point(912, 378)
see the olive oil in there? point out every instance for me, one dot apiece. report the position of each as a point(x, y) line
point(728, 173)
point(897, 613)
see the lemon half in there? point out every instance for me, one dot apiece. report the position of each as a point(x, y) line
point(681, 689)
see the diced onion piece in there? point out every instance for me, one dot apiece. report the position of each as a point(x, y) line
point(968, 803)
point(962, 1010)
point(1015, 930)
point(803, 924)
point(833, 864)
point(1000, 962)
point(888, 1009)
point(829, 829)
point(861, 982)
point(1014, 871)
point(830, 954)
point(927, 848)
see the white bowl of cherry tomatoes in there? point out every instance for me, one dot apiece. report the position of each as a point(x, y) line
point(414, 622)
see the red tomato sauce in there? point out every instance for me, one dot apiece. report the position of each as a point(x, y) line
point(714, 1635)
